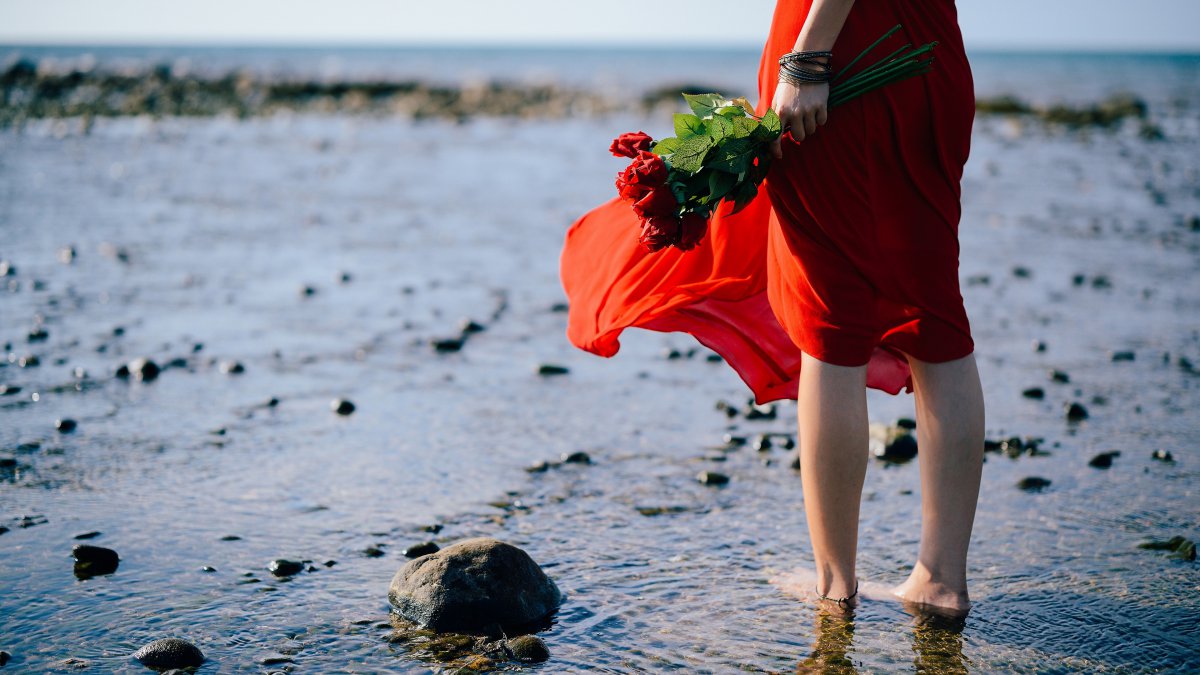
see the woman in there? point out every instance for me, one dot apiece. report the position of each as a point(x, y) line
point(842, 274)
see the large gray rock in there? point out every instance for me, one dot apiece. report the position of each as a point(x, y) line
point(170, 653)
point(473, 585)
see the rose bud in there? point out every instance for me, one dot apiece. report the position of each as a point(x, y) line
point(691, 230)
point(658, 203)
point(660, 232)
point(630, 144)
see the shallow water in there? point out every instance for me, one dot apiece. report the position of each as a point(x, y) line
point(222, 222)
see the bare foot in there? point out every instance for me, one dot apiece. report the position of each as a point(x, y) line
point(801, 584)
point(930, 596)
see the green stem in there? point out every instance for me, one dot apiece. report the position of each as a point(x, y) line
point(858, 58)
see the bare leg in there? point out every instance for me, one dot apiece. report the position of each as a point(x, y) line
point(950, 429)
point(833, 465)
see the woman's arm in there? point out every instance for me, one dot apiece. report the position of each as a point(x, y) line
point(802, 108)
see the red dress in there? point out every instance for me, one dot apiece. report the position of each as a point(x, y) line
point(850, 253)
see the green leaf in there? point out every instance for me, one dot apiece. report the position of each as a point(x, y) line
point(729, 112)
point(704, 104)
point(687, 126)
point(719, 185)
point(734, 155)
point(720, 127)
point(666, 146)
point(690, 155)
point(744, 126)
point(743, 195)
point(771, 122)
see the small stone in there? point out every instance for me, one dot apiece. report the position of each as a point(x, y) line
point(547, 369)
point(232, 367)
point(714, 358)
point(88, 535)
point(1033, 483)
point(1104, 460)
point(92, 561)
point(66, 255)
point(341, 406)
point(1039, 346)
point(1122, 356)
point(672, 354)
point(528, 649)
point(1022, 272)
point(1101, 281)
point(577, 457)
point(759, 412)
point(208, 568)
point(8, 462)
point(762, 443)
point(712, 478)
point(4, 657)
point(468, 327)
point(559, 307)
point(540, 466)
point(143, 370)
point(1076, 412)
point(307, 291)
point(1034, 392)
point(901, 448)
point(1078, 279)
point(29, 361)
point(1059, 376)
point(231, 537)
point(345, 278)
point(373, 552)
point(9, 389)
point(1162, 456)
point(418, 550)
point(7, 269)
point(795, 463)
point(38, 335)
point(65, 425)
point(170, 653)
point(285, 568)
point(330, 563)
point(447, 345)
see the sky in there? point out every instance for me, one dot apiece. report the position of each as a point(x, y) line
point(1092, 25)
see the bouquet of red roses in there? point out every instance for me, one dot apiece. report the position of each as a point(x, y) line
point(721, 151)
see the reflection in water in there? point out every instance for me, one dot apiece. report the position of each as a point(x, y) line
point(937, 641)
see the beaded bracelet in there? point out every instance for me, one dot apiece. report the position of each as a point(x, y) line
point(799, 68)
point(839, 601)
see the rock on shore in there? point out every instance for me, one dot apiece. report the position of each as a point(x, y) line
point(472, 586)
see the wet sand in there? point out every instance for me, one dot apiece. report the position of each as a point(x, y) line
point(194, 243)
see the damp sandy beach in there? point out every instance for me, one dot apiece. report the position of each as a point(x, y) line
point(275, 262)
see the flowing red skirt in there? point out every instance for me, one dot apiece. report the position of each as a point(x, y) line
point(850, 251)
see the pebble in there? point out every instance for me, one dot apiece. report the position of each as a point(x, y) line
point(66, 255)
point(91, 560)
point(1104, 460)
point(759, 412)
point(577, 457)
point(447, 345)
point(341, 406)
point(1059, 376)
point(762, 443)
point(901, 448)
point(907, 423)
point(143, 370)
point(1184, 548)
point(1162, 456)
point(418, 550)
point(88, 535)
point(345, 278)
point(373, 552)
point(4, 657)
point(38, 335)
point(208, 568)
point(1122, 356)
point(1034, 392)
point(712, 478)
point(1076, 412)
point(7, 269)
point(232, 367)
point(8, 462)
point(546, 369)
point(285, 568)
point(170, 653)
point(714, 358)
point(65, 425)
point(9, 389)
point(528, 649)
point(469, 327)
point(1039, 346)
point(307, 291)
point(1033, 483)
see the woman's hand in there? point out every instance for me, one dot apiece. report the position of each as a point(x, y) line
point(801, 110)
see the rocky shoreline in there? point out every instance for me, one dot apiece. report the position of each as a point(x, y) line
point(29, 91)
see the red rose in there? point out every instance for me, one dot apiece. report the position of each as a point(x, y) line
point(658, 203)
point(646, 172)
point(691, 230)
point(630, 144)
point(659, 233)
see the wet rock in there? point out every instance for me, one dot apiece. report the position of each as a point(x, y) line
point(906, 423)
point(472, 585)
point(1060, 376)
point(762, 443)
point(754, 411)
point(231, 537)
point(7, 269)
point(5, 657)
point(1022, 272)
point(528, 649)
point(8, 462)
point(307, 291)
point(232, 368)
point(66, 255)
point(1033, 483)
point(577, 457)
point(345, 278)
point(547, 369)
point(38, 335)
point(285, 568)
point(540, 466)
point(1039, 346)
point(447, 345)
point(65, 425)
point(373, 552)
point(714, 358)
point(1104, 460)
point(1034, 392)
point(9, 389)
point(1122, 356)
point(418, 550)
point(92, 561)
point(1162, 456)
point(903, 447)
point(88, 535)
point(559, 307)
point(1183, 548)
point(170, 653)
point(28, 361)
point(208, 568)
point(1076, 412)
point(1101, 281)
point(712, 478)
point(341, 406)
